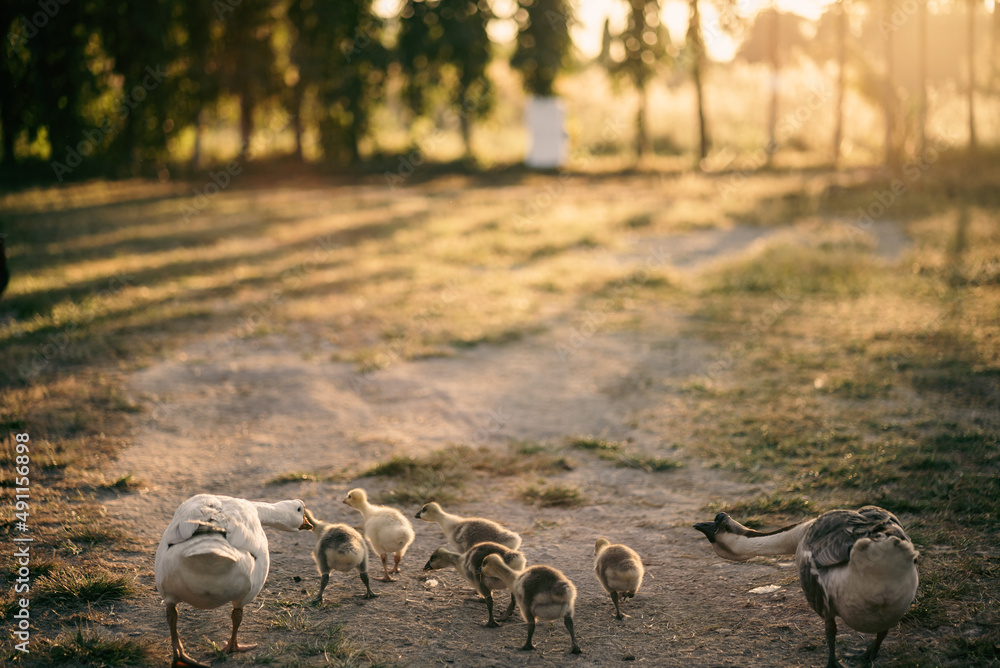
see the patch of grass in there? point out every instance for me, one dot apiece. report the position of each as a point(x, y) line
point(441, 474)
point(96, 534)
point(549, 495)
point(292, 477)
point(647, 464)
point(126, 483)
point(769, 504)
point(794, 269)
point(87, 647)
point(332, 646)
point(595, 444)
point(71, 587)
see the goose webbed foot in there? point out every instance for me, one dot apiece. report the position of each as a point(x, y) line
point(526, 647)
point(184, 661)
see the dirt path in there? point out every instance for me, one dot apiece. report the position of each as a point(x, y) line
point(227, 418)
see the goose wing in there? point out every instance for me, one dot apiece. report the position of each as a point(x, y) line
point(234, 519)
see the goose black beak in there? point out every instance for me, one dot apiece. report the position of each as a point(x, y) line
point(418, 514)
point(427, 566)
point(707, 528)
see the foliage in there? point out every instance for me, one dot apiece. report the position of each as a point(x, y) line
point(543, 43)
point(446, 39)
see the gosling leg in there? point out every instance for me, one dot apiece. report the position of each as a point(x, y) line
point(323, 582)
point(509, 611)
point(527, 647)
point(618, 611)
point(385, 567)
point(363, 571)
point(572, 636)
point(492, 624)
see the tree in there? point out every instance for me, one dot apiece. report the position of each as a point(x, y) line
point(446, 39)
point(543, 43)
point(695, 45)
point(634, 55)
point(245, 60)
point(889, 86)
point(774, 37)
point(341, 63)
point(838, 131)
point(971, 57)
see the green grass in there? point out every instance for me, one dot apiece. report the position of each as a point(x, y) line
point(618, 453)
point(442, 475)
point(293, 477)
point(553, 495)
point(74, 587)
point(88, 647)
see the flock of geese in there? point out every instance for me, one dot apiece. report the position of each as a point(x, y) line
point(856, 565)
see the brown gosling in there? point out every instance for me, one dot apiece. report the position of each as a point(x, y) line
point(386, 529)
point(618, 569)
point(541, 592)
point(856, 565)
point(462, 533)
point(338, 548)
point(469, 564)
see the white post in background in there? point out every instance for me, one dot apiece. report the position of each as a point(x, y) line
point(548, 137)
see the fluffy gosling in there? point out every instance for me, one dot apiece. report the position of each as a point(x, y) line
point(469, 564)
point(619, 570)
point(338, 548)
point(542, 592)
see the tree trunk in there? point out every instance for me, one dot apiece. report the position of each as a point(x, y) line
point(697, 46)
point(466, 126)
point(888, 91)
point(971, 39)
point(838, 129)
point(641, 133)
point(922, 74)
point(772, 117)
point(246, 121)
point(296, 103)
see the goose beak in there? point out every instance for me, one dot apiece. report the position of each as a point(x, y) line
point(418, 514)
point(345, 500)
point(707, 528)
point(427, 566)
point(306, 526)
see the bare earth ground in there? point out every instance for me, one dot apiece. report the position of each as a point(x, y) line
point(227, 417)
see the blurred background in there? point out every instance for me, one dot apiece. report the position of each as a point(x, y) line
point(166, 87)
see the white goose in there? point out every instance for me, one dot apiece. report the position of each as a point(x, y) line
point(856, 565)
point(215, 552)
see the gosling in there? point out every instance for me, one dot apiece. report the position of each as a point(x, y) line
point(541, 592)
point(338, 548)
point(469, 565)
point(386, 528)
point(462, 533)
point(618, 569)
